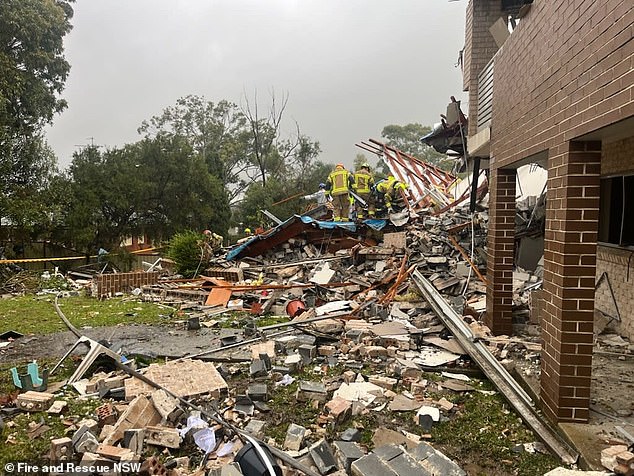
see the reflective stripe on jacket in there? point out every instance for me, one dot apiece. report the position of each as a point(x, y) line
point(339, 182)
point(362, 182)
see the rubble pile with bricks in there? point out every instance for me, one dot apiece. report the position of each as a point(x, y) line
point(357, 339)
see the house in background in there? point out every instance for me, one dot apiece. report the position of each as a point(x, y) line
point(552, 83)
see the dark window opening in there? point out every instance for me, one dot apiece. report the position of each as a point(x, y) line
point(616, 212)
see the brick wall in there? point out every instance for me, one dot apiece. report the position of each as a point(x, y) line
point(108, 284)
point(618, 264)
point(500, 251)
point(565, 71)
point(480, 47)
point(567, 321)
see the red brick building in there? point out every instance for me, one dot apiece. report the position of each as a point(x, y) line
point(558, 90)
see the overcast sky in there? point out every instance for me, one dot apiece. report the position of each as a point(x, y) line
point(349, 67)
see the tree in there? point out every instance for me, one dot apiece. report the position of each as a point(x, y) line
point(269, 153)
point(155, 187)
point(32, 75)
point(27, 197)
point(32, 65)
point(407, 139)
point(180, 192)
point(217, 132)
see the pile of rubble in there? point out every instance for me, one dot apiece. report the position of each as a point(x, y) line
point(355, 309)
point(358, 338)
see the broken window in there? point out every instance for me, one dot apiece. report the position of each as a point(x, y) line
point(615, 213)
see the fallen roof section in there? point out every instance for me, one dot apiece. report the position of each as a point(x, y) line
point(428, 183)
point(318, 231)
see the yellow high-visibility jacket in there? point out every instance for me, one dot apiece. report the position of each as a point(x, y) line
point(363, 182)
point(339, 182)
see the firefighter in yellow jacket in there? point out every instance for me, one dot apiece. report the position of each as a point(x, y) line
point(390, 192)
point(363, 183)
point(338, 186)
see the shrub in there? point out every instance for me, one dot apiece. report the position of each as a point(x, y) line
point(185, 250)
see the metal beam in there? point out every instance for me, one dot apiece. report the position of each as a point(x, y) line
point(494, 371)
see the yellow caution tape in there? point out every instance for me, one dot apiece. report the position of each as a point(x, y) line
point(38, 260)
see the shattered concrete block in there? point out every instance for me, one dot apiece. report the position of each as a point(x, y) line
point(294, 362)
point(339, 409)
point(349, 376)
point(184, 378)
point(411, 373)
point(35, 401)
point(57, 407)
point(110, 383)
point(255, 427)
point(257, 368)
point(294, 437)
point(404, 465)
point(323, 457)
point(387, 383)
point(625, 457)
point(374, 351)
point(445, 404)
point(308, 353)
point(434, 462)
point(258, 391)
point(308, 391)
point(264, 357)
point(133, 440)
point(87, 443)
point(162, 436)
point(61, 450)
point(140, 412)
point(385, 436)
point(165, 404)
point(90, 424)
point(79, 433)
point(370, 465)
point(260, 348)
point(419, 388)
point(346, 453)
point(326, 350)
point(244, 405)
point(351, 434)
point(106, 431)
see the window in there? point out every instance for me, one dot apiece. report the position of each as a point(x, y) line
point(616, 223)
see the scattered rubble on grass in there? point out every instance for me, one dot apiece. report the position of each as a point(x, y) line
point(351, 336)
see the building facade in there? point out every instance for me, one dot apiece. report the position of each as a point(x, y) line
point(552, 83)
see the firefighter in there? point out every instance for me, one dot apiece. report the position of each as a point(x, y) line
point(390, 193)
point(210, 244)
point(338, 186)
point(363, 183)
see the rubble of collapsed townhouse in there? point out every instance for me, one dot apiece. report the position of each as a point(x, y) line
point(371, 311)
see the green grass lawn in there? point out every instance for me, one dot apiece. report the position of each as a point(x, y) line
point(31, 314)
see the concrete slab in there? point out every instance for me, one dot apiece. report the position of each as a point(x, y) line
point(184, 378)
point(371, 465)
point(584, 439)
